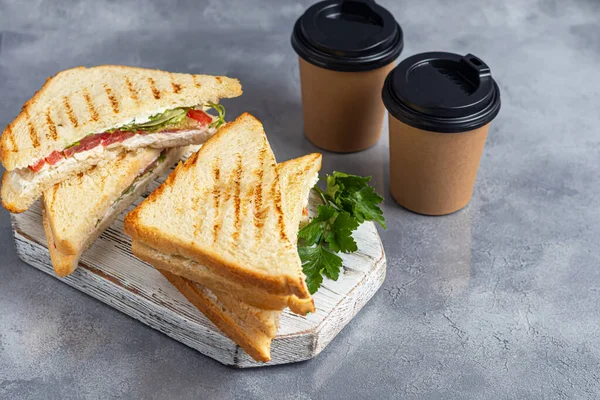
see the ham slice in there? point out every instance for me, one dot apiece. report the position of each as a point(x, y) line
point(92, 141)
point(108, 138)
point(55, 157)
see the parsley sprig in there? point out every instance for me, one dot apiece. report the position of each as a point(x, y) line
point(348, 201)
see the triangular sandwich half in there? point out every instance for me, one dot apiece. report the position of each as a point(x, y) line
point(85, 116)
point(297, 178)
point(76, 211)
point(223, 209)
point(252, 328)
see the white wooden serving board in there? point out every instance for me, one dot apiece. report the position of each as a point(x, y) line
point(109, 272)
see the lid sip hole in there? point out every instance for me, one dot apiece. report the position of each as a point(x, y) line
point(475, 61)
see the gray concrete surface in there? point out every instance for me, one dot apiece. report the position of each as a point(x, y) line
point(500, 300)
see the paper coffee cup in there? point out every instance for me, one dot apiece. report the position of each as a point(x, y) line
point(441, 106)
point(345, 49)
point(343, 111)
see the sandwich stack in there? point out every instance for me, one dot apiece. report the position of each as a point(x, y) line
point(223, 229)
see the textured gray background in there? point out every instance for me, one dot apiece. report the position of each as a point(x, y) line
point(497, 301)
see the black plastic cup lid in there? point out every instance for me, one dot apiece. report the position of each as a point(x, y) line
point(350, 35)
point(442, 92)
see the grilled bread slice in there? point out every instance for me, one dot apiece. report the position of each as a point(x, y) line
point(223, 209)
point(298, 176)
point(249, 327)
point(83, 101)
point(252, 328)
point(76, 211)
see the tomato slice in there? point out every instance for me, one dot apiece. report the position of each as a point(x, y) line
point(38, 165)
point(72, 150)
point(90, 142)
point(111, 138)
point(54, 157)
point(200, 116)
point(126, 135)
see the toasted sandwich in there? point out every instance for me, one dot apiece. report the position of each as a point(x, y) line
point(86, 116)
point(76, 211)
point(297, 178)
point(223, 209)
point(252, 328)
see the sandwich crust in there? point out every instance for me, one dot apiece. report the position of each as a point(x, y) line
point(193, 271)
point(63, 264)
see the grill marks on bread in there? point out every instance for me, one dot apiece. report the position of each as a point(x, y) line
point(51, 200)
point(259, 214)
point(233, 191)
point(69, 111)
point(276, 194)
point(51, 127)
point(11, 138)
point(132, 92)
point(216, 196)
point(176, 86)
point(33, 135)
point(197, 201)
point(90, 105)
point(114, 103)
point(308, 167)
point(196, 83)
point(155, 91)
point(222, 191)
point(237, 181)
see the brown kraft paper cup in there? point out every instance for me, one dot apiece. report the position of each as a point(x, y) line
point(433, 173)
point(343, 111)
point(440, 108)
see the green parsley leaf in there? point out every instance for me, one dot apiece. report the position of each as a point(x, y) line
point(332, 262)
point(311, 269)
point(311, 233)
point(324, 213)
point(363, 205)
point(357, 197)
point(317, 261)
point(350, 183)
point(332, 187)
point(339, 238)
point(348, 201)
